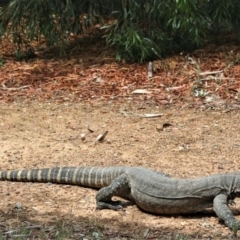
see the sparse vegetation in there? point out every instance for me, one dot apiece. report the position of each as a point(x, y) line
point(62, 230)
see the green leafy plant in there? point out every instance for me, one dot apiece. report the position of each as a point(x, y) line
point(141, 30)
point(1, 62)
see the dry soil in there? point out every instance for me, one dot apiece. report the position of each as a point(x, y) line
point(36, 135)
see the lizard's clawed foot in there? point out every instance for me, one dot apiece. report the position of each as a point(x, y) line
point(114, 205)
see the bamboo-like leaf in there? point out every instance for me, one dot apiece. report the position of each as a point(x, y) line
point(139, 25)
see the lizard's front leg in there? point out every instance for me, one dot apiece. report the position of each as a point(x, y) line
point(119, 187)
point(222, 210)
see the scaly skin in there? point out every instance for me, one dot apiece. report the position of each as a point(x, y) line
point(152, 191)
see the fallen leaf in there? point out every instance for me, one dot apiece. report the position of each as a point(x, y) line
point(209, 73)
point(101, 137)
point(141, 91)
point(150, 115)
point(90, 130)
point(165, 125)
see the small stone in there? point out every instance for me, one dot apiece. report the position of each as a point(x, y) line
point(18, 206)
point(83, 136)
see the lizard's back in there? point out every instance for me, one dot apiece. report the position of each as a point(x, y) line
point(157, 193)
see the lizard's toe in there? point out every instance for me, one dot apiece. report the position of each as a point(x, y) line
point(114, 205)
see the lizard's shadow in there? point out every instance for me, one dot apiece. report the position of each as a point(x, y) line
point(197, 215)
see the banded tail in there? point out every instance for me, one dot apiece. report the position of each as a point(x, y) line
point(83, 176)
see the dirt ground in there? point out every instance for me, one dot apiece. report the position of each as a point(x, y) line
point(37, 135)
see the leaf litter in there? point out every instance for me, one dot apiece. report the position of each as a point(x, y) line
point(91, 73)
